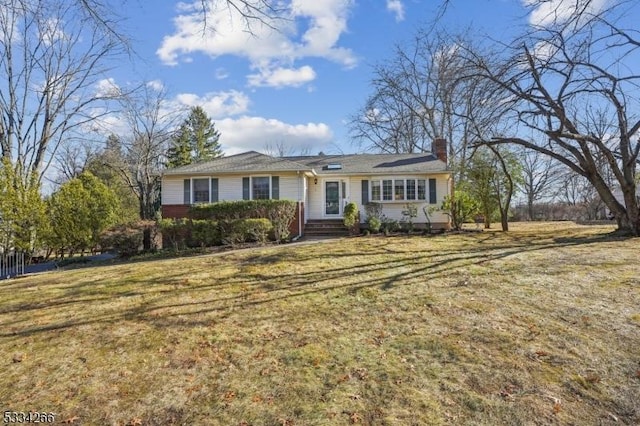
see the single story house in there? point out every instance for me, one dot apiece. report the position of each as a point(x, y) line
point(321, 184)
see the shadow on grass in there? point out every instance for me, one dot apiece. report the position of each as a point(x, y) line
point(399, 266)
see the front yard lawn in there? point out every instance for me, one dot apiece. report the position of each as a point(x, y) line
point(540, 325)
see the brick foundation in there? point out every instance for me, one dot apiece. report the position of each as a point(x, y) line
point(293, 228)
point(175, 211)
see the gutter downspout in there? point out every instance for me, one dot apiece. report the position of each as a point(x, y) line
point(300, 218)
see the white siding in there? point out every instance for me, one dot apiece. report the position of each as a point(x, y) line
point(172, 190)
point(314, 207)
point(291, 188)
point(393, 210)
point(230, 187)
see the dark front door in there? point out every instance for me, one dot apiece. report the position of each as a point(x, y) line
point(332, 198)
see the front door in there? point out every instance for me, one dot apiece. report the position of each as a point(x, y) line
point(332, 198)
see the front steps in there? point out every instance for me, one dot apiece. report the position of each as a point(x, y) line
point(325, 228)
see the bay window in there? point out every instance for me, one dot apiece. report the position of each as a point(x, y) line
point(403, 190)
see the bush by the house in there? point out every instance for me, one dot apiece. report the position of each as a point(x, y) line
point(175, 232)
point(409, 213)
point(127, 239)
point(280, 212)
point(351, 217)
point(373, 210)
point(204, 233)
point(373, 224)
point(240, 231)
point(389, 225)
point(281, 215)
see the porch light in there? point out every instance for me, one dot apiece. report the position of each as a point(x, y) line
point(315, 181)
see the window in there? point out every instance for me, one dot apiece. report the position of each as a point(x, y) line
point(402, 190)
point(411, 189)
point(200, 190)
point(398, 190)
point(422, 190)
point(432, 192)
point(260, 188)
point(387, 188)
point(375, 190)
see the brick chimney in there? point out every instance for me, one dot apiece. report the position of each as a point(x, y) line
point(439, 149)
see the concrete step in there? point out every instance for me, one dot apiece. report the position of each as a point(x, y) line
point(329, 227)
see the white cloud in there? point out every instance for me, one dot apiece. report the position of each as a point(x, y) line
point(156, 85)
point(107, 87)
point(551, 12)
point(216, 104)
point(397, 8)
point(312, 28)
point(281, 77)
point(51, 31)
point(255, 133)
point(230, 111)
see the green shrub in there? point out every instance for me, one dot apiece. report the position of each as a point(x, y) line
point(239, 231)
point(374, 224)
point(281, 215)
point(175, 232)
point(373, 210)
point(126, 239)
point(389, 225)
point(257, 229)
point(350, 215)
point(204, 233)
point(280, 212)
point(409, 213)
point(229, 210)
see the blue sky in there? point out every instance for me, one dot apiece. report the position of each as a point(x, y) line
point(300, 85)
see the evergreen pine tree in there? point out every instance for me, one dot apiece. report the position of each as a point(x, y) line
point(205, 137)
point(179, 153)
point(196, 140)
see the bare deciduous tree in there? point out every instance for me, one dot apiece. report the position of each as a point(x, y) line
point(539, 174)
point(149, 128)
point(562, 82)
point(71, 160)
point(50, 62)
point(420, 95)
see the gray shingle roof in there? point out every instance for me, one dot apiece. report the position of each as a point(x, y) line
point(322, 164)
point(372, 163)
point(246, 162)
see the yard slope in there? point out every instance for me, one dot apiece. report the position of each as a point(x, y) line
point(540, 325)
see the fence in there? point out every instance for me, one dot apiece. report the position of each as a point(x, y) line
point(11, 265)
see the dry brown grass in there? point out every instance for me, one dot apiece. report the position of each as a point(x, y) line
point(537, 326)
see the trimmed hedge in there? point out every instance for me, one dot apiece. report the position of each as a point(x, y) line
point(187, 233)
point(240, 231)
point(175, 232)
point(279, 212)
point(204, 233)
